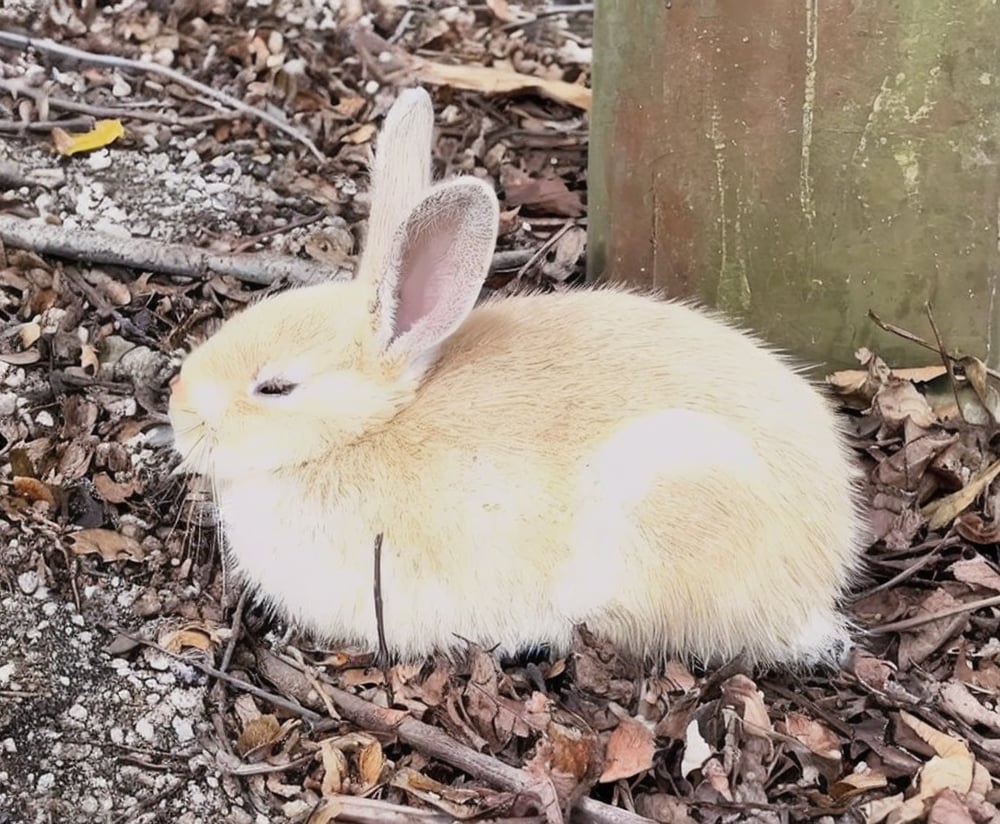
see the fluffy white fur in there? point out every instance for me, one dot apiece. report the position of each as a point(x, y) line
point(594, 456)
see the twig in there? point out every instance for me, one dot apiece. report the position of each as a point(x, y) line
point(244, 770)
point(513, 259)
point(23, 42)
point(944, 543)
point(437, 744)
point(16, 87)
point(920, 620)
point(237, 624)
point(135, 809)
point(905, 334)
point(580, 8)
point(946, 359)
point(293, 707)
point(19, 127)
point(177, 259)
point(553, 239)
point(168, 258)
point(383, 648)
point(372, 811)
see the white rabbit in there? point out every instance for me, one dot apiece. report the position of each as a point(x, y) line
point(595, 456)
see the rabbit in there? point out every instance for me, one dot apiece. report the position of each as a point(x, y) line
point(595, 456)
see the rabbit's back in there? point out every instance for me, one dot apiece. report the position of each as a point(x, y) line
point(633, 463)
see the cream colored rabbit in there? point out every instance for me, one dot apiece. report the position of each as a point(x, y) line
point(593, 456)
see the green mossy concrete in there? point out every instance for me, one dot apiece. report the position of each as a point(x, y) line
point(798, 165)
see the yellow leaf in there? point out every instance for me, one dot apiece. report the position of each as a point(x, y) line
point(104, 133)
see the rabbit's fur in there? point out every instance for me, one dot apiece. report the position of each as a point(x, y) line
point(594, 456)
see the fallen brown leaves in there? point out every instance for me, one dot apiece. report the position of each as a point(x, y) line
point(907, 732)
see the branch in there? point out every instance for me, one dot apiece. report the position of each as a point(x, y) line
point(168, 258)
point(437, 744)
point(174, 258)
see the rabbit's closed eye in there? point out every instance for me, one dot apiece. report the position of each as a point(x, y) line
point(275, 387)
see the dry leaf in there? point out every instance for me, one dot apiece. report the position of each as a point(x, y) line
point(976, 571)
point(262, 732)
point(111, 546)
point(191, 638)
point(371, 762)
point(33, 490)
point(547, 195)
point(951, 768)
point(26, 358)
point(362, 134)
point(855, 784)
point(740, 691)
point(459, 803)
point(820, 740)
point(629, 751)
point(978, 377)
point(112, 491)
point(30, 333)
point(872, 671)
point(899, 400)
point(489, 80)
point(717, 778)
point(335, 769)
point(956, 696)
point(943, 511)
point(918, 644)
point(948, 808)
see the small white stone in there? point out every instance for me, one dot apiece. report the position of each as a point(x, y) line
point(145, 730)
point(77, 712)
point(28, 581)
point(46, 781)
point(183, 729)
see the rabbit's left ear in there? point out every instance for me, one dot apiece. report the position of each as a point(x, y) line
point(435, 270)
point(401, 175)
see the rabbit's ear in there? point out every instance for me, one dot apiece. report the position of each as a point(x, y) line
point(435, 271)
point(400, 175)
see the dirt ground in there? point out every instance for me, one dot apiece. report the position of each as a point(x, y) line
point(136, 685)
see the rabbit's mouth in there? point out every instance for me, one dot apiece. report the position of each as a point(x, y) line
point(193, 441)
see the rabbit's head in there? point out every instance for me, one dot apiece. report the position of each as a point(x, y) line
point(300, 374)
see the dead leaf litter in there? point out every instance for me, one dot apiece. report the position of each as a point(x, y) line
point(136, 686)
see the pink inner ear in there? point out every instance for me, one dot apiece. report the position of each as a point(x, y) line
point(422, 280)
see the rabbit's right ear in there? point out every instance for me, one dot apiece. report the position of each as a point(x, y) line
point(400, 175)
point(435, 270)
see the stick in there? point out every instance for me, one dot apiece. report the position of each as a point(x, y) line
point(437, 744)
point(168, 258)
point(20, 41)
point(946, 359)
point(177, 259)
point(920, 620)
point(383, 648)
